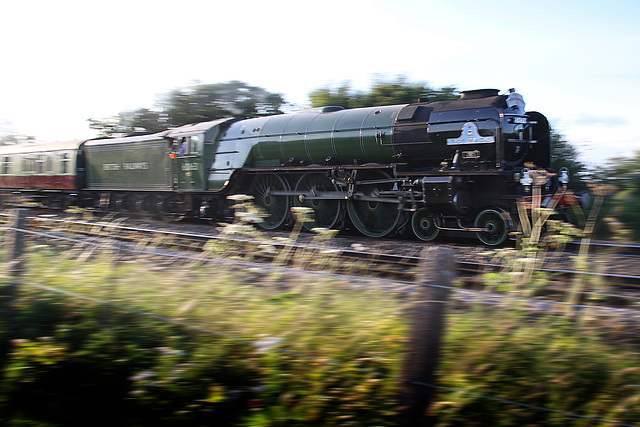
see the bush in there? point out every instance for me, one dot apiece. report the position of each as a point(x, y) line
point(73, 361)
point(258, 348)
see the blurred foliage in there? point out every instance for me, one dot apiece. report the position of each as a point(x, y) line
point(11, 138)
point(543, 361)
point(399, 91)
point(73, 362)
point(564, 154)
point(313, 350)
point(624, 173)
point(542, 236)
point(193, 104)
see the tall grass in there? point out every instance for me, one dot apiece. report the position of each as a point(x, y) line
point(149, 370)
point(276, 347)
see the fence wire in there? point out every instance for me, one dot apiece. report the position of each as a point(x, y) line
point(277, 348)
point(484, 296)
point(257, 343)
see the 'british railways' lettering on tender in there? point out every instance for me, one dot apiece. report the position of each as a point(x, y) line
point(125, 166)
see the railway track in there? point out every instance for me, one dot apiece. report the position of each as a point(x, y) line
point(312, 257)
point(319, 256)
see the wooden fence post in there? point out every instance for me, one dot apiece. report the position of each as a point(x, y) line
point(438, 271)
point(15, 267)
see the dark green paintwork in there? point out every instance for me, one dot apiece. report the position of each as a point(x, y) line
point(188, 167)
point(152, 162)
point(412, 134)
point(346, 136)
point(135, 163)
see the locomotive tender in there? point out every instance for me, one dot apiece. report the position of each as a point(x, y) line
point(444, 165)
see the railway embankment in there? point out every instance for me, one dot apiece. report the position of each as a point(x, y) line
point(140, 334)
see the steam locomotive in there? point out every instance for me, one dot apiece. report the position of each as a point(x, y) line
point(431, 166)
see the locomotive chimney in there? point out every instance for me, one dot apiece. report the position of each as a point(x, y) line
point(479, 93)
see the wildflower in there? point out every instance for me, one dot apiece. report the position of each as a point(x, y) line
point(539, 176)
point(267, 249)
point(358, 247)
point(330, 251)
point(266, 343)
point(325, 232)
point(240, 197)
point(600, 189)
point(302, 214)
point(142, 376)
point(168, 351)
point(283, 240)
point(250, 217)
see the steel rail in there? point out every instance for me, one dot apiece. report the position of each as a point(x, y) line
point(378, 264)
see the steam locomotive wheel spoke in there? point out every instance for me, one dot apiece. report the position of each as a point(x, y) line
point(276, 207)
point(424, 225)
point(495, 224)
point(326, 212)
point(371, 218)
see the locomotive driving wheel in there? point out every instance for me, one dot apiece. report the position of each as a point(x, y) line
point(424, 225)
point(276, 206)
point(494, 222)
point(371, 217)
point(326, 211)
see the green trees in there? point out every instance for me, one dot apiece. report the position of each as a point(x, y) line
point(205, 102)
point(624, 173)
point(10, 138)
point(399, 91)
point(193, 104)
point(564, 154)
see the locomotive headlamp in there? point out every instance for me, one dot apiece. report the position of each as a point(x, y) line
point(564, 176)
point(526, 179)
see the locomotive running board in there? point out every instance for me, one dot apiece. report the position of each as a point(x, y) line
point(333, 195)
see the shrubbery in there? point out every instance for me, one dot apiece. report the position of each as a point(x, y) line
point(287, 349)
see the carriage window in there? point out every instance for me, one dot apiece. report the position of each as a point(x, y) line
point(64, 163)
point(40, 164)
point(6, 166)
point(50, 164)
point(28, 165)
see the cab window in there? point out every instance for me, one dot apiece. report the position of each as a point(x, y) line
point(195, 144)
point(190, 145)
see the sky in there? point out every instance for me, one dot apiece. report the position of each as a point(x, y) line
point(578, 62)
